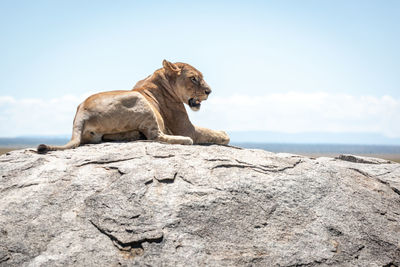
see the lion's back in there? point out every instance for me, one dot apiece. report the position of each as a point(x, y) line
point(114, 99)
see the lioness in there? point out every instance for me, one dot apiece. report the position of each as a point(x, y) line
point(153, 109)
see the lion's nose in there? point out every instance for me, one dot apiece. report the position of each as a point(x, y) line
point(208, 91)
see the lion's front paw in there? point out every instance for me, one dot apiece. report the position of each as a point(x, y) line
point(187, 141)
point(224, 138)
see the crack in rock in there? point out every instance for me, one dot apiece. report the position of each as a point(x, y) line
point(394, 189)
point(217, 159)
point(5, 258)
point(133, 248)
point(114, 168)
point(361, 172)
point(388, 172)
point(4, 253)
point(355, 159)
point(100, 162)
point(357, 253)
point(17, 186)
point(312, 263)
point(167, 180)
point(264, 166)
point(261, 169)
point(397, 191)
point(185, 180)
point(234, 147)
point(148, 182)
point(163, 156)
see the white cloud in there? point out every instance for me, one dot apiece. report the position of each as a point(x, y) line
point(35, 116)
point(6, 100)
point(290, 112)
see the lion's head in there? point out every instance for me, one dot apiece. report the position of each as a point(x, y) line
point(189, 83)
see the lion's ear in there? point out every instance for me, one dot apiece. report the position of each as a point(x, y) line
point(171, 68)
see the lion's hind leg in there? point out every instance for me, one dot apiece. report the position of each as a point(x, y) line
point(150, 127)
point(154, 133)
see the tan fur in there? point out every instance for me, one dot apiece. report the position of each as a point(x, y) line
point(154, 108)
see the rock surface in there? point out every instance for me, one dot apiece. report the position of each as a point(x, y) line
point(152, 204)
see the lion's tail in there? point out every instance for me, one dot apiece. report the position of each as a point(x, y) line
point(42, 148)
point(75, 141)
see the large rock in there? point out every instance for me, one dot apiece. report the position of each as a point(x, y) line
point(147, 203)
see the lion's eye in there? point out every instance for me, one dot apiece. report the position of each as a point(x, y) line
point(194, 80)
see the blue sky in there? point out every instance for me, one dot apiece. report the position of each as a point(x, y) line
point(281, 66)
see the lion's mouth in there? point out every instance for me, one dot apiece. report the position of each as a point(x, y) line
point(194, 103)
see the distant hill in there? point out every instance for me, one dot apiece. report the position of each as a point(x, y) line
point(27, 141)
point(326, 149)
point(312, 138)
